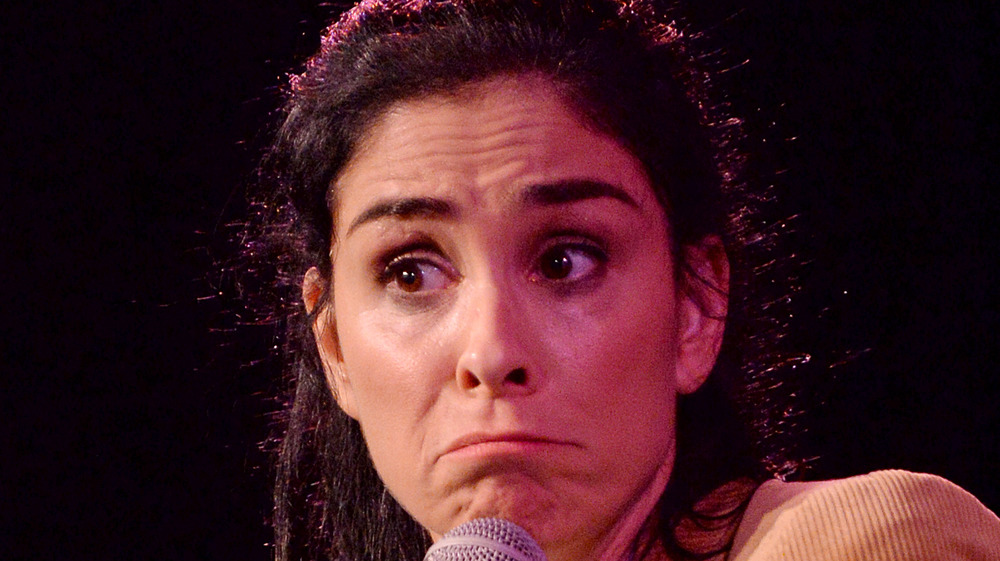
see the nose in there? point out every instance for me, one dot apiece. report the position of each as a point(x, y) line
point(494, 362)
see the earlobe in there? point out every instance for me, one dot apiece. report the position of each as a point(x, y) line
point(703, 307)
point(325, 335)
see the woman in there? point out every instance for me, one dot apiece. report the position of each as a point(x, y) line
point(518, 231)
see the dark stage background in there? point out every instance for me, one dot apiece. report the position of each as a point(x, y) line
point(131, 130)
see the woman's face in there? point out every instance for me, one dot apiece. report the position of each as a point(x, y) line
point(506, 324)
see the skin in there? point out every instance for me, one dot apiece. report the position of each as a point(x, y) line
point(506, 321)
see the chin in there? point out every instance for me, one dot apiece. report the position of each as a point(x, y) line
point(550, 518)
point(515, 497)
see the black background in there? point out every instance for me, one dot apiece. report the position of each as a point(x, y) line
point(131, 129)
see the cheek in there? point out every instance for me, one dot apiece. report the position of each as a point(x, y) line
point(626, 339)
point(397, 365)
point(386, 393)
point(381, 348)
point(624, 361)
point(399, 369)
point(393, 373)
point(632, 373)
point(613, 355)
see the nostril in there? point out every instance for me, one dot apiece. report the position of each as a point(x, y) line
point(518, 376)
point(469, 381)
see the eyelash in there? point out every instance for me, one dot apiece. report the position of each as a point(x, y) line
point(570, 243)
point(392, 264)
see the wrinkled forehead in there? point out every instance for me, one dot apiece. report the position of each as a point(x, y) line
point(484, 144)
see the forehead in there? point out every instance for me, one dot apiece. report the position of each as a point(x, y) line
point(482, 146)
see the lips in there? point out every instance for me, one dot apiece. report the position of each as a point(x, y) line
point(499, 443)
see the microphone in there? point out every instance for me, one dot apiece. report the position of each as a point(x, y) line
point(486, 539)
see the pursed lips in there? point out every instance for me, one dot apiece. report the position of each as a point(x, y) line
point(499, 441)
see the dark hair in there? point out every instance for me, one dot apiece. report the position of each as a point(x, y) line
point(630, 71)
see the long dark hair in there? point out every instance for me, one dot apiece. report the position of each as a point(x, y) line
point(632, 71)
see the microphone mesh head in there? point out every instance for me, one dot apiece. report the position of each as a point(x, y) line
point(486, 539)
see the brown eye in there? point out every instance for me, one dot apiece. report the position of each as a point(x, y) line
point(409, 274)
point(556, 264)
point(569, 263)
point(409, 279)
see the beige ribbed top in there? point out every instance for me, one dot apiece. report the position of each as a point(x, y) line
point(883, 516)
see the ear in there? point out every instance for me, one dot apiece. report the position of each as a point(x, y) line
point(324, 329)
point(703, 305)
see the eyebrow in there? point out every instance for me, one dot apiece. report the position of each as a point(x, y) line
point(414, 207)
point(572, 191)
point(546, 194)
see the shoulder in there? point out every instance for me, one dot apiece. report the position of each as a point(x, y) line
point(885, 515)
